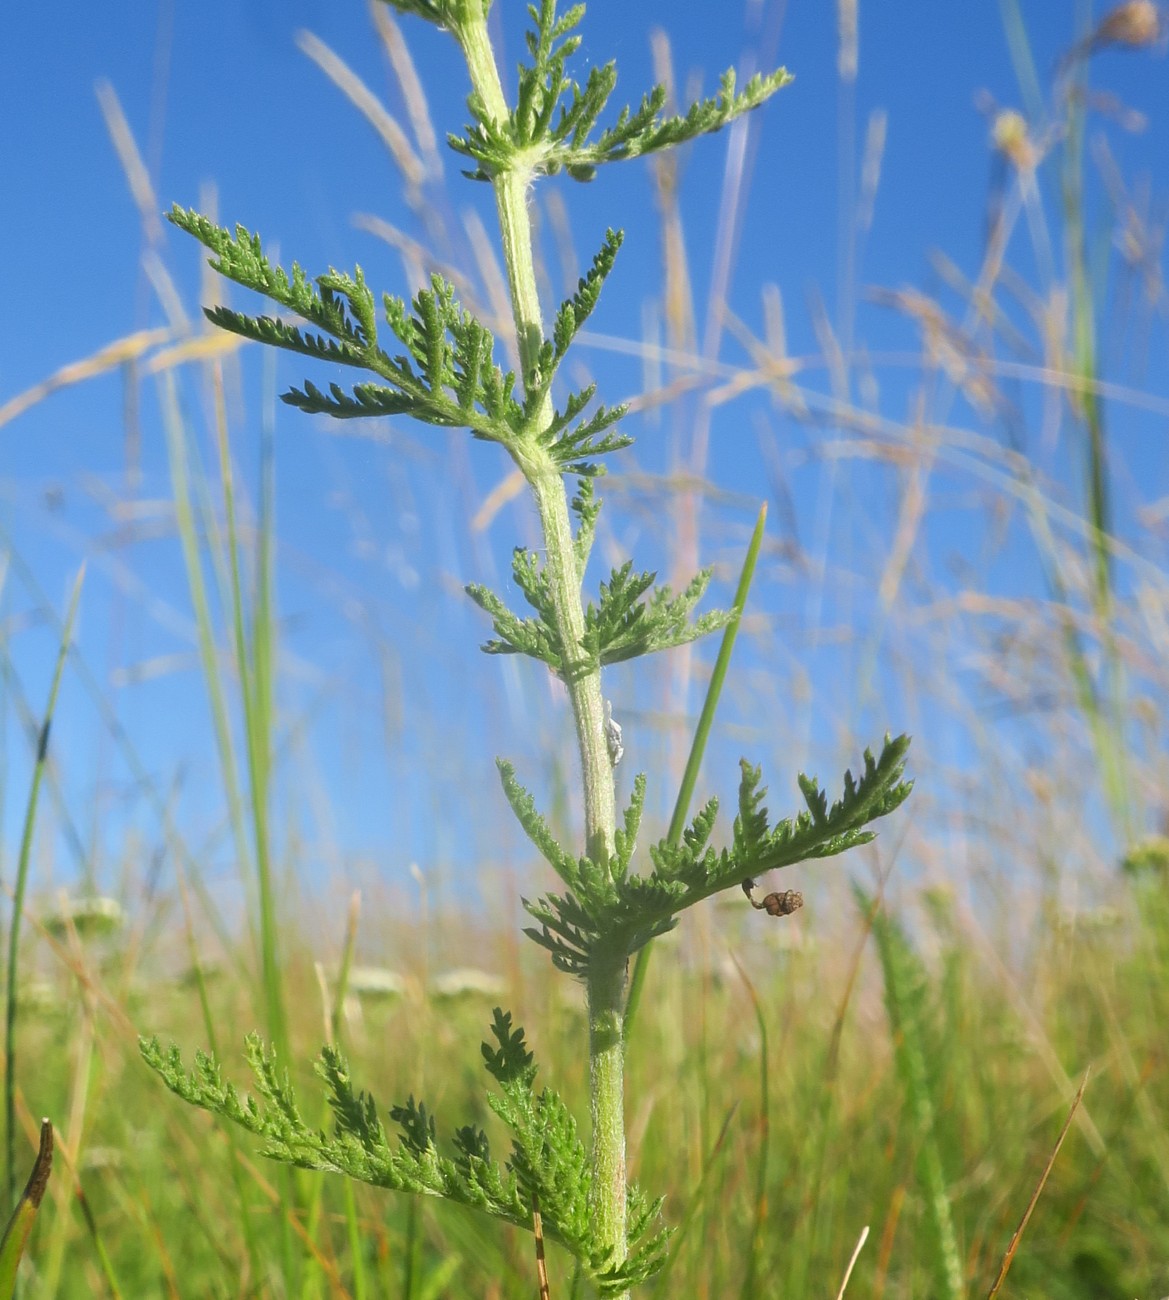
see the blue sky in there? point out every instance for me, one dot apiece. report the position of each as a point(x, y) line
point(387, 707)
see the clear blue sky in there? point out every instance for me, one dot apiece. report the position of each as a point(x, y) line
point(371, 547)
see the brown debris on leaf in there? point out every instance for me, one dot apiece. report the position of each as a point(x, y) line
point(781, 903)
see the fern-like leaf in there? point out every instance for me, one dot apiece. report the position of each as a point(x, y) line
point(625, 838)
point(547, 1158)
point(537, 637)
point(447, 377)
point(623, 911)
point(551, 127)
point(535, 827)
point(587, 507)
point(623, 626)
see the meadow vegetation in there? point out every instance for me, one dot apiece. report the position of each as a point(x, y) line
point(890, 1068)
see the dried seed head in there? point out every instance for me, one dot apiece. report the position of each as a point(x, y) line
point(1010, 137)
point(1136, 24)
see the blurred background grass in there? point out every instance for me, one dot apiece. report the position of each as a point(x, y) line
point(967, 542)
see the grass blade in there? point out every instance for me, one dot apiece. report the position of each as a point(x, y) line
point(696, 1202)
point(254, 656)
point(334, 1013)
point(748, 1288)
point(20, 1225)
point(30, 817)
point(1103, 703)
point(860, 1245)
point(698, 745)
point(185, 522)
point(1013, 1244)
point(905, 1001)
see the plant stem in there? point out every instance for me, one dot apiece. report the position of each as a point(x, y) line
point(606, 996)
point(1104, 705)
point(582, 677)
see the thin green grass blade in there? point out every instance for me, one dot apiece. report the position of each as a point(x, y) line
point(361, 1284)
point(144, 779)
point(22, 869)
point(255, 683)
point(178, 449)
point(1019, 45)
point(316, 1195)
point(412, 1252)
point(253, 662)
point(177, 453)
point(20, 1225)
point(5, 559)
point(698, 745)
point(697, 1201)
point(99, 1246)
point(1105, 706)
point(748, 1289)
point(905, 993)
point(437, 1282)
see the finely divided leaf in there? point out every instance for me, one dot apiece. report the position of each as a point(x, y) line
point(624, 911)
point(547, 1156)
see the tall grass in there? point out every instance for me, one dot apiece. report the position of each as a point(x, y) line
point(23, 866)
point(902, 1067)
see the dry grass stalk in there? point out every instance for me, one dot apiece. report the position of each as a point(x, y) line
point(1013, 1245)
point(367, 104)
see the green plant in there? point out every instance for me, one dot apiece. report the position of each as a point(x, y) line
point(447, 375)
point(906, 981)
point(22, 874)
point(20, 1224)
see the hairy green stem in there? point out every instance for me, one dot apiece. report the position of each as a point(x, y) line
point(606, 996)
point(606, 982)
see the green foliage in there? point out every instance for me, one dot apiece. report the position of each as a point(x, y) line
point(538, 637)
point(576, 310)
point(618, 913)
point(447, 377)
point(572, 447)
point(586, 506)
point(20, 1224)
point(538, 139)
point(907, 1003)
point(622, 626)
point(547, 1163)
point(443, 13)
point(625, 836)
point(536, 828)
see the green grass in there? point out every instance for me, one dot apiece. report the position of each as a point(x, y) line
point(13, 972)
point(163, 1205)
point(899, 1056)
